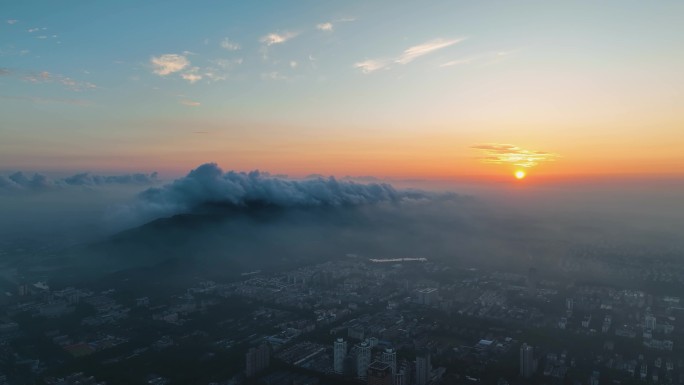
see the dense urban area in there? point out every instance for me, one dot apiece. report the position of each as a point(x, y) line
point(398, 321)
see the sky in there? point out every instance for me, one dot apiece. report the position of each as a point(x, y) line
point(434, 90)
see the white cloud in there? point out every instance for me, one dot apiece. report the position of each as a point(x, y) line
point(275, 38)
point(412, 53)
point(169, 63)
point(369, 66)
point(230, 45)
point(31, 30)
point(192, 76)
point(325, 26)
point(12, 21)
point(47, 77)
point(456, 62)
point(190, 103)
point(219, 69)
point(293, 64)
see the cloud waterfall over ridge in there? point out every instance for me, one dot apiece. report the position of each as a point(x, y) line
point(209, 184)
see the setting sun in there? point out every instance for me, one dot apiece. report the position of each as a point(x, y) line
point(520, 174)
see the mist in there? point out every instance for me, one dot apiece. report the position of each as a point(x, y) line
point(253, 220)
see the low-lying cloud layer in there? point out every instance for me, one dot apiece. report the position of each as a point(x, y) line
point(208, 184)
point(21, 182)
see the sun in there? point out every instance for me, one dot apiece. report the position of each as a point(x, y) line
point(520, 174)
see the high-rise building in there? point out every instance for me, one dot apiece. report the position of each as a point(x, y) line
point(389, 356)
point(423, 368)
point(379, 373)
point(257, 359)
point(427, 296)
point(363, 359)
point(650, 322)
point(403, 374)
point(526, 361)
point(339, 353)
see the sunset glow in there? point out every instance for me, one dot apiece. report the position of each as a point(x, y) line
point(345, 89)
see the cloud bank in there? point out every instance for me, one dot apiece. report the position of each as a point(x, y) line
point(21, 182)
point(208, 184)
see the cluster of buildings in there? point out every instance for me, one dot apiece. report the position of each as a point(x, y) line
point(366, 361)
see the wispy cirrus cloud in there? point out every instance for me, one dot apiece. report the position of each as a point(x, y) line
point(413, 53)
point(12, 21)
point(190, 103)
point(47, 77)
point(456, 62)
point(410, 54)
point(510, 154)
point(277, 38)
point(168, 63)
point(486, 58)
point(75, 102)
point(230, 45)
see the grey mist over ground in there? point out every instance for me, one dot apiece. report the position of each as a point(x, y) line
point(243, 221)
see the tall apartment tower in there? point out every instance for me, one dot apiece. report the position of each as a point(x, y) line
point(257, 359)
point(403, 374)
point(339, 353)
point(526, 360)
point(389, 356)
point(423, 368)
point(363, 359)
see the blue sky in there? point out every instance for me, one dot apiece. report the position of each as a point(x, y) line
point(337, 87)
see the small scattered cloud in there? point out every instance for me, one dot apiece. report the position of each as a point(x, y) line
point(192, 76)
point(4, 71)
point(329, 26)
point(324, 26)
point(277, 38)
point(410, 54)
point(190, 103)
point(219, 69)
point(369, 66)
point(47, 77)
point(510, 154)
point(230, 45)
point(168, 63)
point(12, 21)
point(293, 64)
point(273, 75)
point(32, 30)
